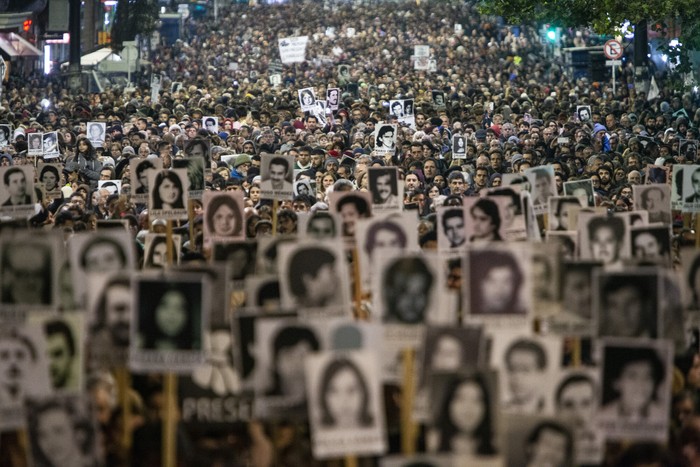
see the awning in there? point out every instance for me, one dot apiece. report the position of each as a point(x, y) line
point(93, 58)
point(15, 45)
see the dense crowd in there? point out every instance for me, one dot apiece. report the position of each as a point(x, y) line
point(514, 102)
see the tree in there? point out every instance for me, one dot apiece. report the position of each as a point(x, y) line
point(133, 17)
point(606, 17)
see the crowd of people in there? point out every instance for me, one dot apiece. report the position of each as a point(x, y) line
point(514, 106)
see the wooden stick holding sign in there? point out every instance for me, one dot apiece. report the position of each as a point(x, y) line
point(408, 431)
point(169, 447)
point(123, 386)
point(275, 207)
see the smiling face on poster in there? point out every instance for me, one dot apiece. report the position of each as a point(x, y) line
point(277, 174)
point(35, 144)
point(385, 140)
point(387, 192)
point(333, 98)
point(169, 195)
point(307, 99)
point(50, 144)
point(223, 216)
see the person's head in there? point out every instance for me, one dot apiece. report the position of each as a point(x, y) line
point(142, 171)
point(351, 208)
point(102, 254)
point(168, 190)
point(447, 351)
point(653, 199)
point(407, 284)
point(385, 136)
point(633, 377)
point(549, 443)
point(650, 244)
point(605, 236)
point(60, 347)
point(17, 353)
point(15, 181)
point(695, 181)
point(499, 279)
point(542, 184)
point(157, 253)
point(313, 277)
point(345, 397)
point(172, 315)
point(224, 217)
point(625, 305)
point(196, 148)
point(466, 411)
point(453, 226)
point(321, 225)
point(50, 177)
point(575, 399)
point(486, 219)
point(456, 183)
point(289, 347)
point(57, 437)
point(562, 211)
point(525, 362)
point(278, 169)
point(26, 273)
point(384, 234)
point(114, 310)
point(95, 131)
point(307, 98)
point(385, 185)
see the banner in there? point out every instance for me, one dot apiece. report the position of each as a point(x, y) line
point(293, 49)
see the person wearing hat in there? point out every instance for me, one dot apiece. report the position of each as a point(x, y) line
point(241, 165)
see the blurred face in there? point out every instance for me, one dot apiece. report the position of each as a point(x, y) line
point(577, 289)
point(467, 407)
point(383, 187)
point(49, 180)
point(626, 311)
point(524, 375)
point(57, 438)
point(635, 385)
point(224, 220)
point(344, 398)
point(497, 289)
point(60, 359)
point(17, 185)
point(482, 224)
point(103, 257)
point(117, 312)
point(168, 191)
point(15, 358)
point(604, 245)
point(447, 354)
point(411, 303)
point(646, 246)
point(171, 313)
point(549, 449)
point(577, 402)
point(27, 274)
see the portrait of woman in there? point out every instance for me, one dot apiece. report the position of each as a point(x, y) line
point(306, 98)
point(168, 191)
point(224, 217)
point(465, 417)
point(4, 135)
point(496, 282)
point(344, 397)
point(157, 252)
point(170, 319)
point(632, 380)
point(485, 221)
point(61, 433)
point(50, 177)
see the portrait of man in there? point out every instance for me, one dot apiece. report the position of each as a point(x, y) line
point(384, 185)
point(384, 234)
point(103, 253)
point(525, 367)
point(350, 207)
point(35, 144)
point(542, 187)
point(651, 244)
point(584, 113)
point(50, 142)
point(386, 138)
point(452, 222)
point(560, 211)
point(692, 189)
point(62, 349)
point(277, 175)
point(140, 172)
point(26, 272)
point(576, 401)
point(582, 189)
point(655, 199)
point(438, 98)
point(313, 276)
point(333, 98)
point(606, 236)
point(407, 286)
point(211, 124)
point(17, 186)
point(303, 187)
point(627, 304)
point(198, 148)
point(344, 74)
point(18, 358)
point(321, 225)
point(96, 133)
point(396, 108)
point(496, 283)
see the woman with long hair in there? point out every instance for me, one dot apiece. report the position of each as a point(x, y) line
point(168, 191)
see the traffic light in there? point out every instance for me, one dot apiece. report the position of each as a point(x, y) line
point(27, 25)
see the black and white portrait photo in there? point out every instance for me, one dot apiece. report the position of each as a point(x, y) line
point(28, 271)
point(195, 149)
point(156, 251)
point(464, 413)
point(211, 124)
point(62, 431)
point(314, 276)
point(635, 389)
point(385, 139)
point(387, 192)
point(304, 187)
point(113, 187)
point(108, 251)
point(50, 143)
point(582, 189)
point(5, 135)
point(583, 113)
point(452, 232)
point(407, 288)
point(63, 335)
point(449, 349)
point(576, 291)
point(320, 225)
point(527, 368)
point(604, 239)
point(140, 170)
point(542, 187)
point(691, 188)
point(307, 99)
point(170, 315)
point(396, 108)
point(194, 167)
point(344, 74)
point(485, 218)
point(96, 133)
point(657, 174)
point(35, 144)
point(333, 98)
point(459, 147)
point(655, 199)
point(690, 260)
point(438, 98)
point(175, 86)
point(50, 179)
point(169, 195)
point(627, 303)
point(498, 283)
point(223, 216)
point(651, 244)
point(109, 325)
point(350, 206)
point(277, 174)
point(560, 212)
point(536, 440)
point(345, 407)
point(24, 370)
point(17, 190)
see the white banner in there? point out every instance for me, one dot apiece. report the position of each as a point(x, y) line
point(293, 49)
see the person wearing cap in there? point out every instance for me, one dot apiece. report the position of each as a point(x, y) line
point(241, 165)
